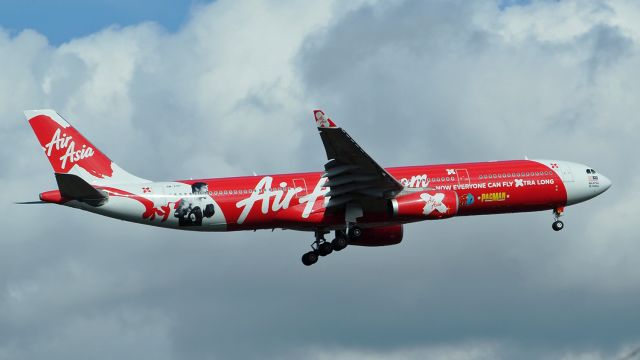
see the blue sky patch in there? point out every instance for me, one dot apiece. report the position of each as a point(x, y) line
point(64, 20)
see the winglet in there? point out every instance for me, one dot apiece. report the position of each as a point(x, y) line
point(322, 121)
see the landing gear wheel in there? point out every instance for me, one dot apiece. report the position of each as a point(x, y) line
point(325, 249)
point(340, 242)
point(355, 232)
point(557, 225)
point(310, 258)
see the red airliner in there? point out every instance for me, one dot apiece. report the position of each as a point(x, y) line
point(361, 202)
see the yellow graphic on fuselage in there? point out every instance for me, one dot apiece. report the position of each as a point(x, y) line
point(491, 197)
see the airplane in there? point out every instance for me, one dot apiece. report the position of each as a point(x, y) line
point(362, 203)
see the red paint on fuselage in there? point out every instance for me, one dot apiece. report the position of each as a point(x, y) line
point(296, 201)
point(482, 188)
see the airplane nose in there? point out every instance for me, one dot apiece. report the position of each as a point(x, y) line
point(605, 183)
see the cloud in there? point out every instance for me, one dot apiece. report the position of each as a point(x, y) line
point(414, 82)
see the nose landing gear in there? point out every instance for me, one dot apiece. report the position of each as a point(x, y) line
point(321, 247)
point(557, 224)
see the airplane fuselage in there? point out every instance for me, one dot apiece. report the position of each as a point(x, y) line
point(297, 201)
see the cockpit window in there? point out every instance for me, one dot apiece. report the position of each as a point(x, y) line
point(588, 171)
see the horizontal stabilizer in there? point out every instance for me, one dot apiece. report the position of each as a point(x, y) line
point(74, 187)
point(30, 202)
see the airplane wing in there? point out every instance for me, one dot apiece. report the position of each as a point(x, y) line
point(352, 174)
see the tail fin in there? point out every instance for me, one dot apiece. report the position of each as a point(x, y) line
point(71, 153)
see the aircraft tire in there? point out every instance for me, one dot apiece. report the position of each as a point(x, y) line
point(355, 232)
point(339, 243)
point(309, 258)
point(325, 249)
point(557, 225)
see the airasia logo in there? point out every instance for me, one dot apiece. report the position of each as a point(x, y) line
point(264, 194)
point(62, 141)
point(433, 202)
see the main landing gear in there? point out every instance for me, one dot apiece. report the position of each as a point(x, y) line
point(557, 224)
point(321, 247)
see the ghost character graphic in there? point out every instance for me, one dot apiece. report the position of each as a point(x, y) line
point(191, 210)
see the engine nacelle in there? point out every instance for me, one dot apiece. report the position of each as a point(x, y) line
point(432, 204)
point(379, 236)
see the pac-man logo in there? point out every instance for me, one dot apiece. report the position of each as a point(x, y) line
point(491, 197)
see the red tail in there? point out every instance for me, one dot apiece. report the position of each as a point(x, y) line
point(70, 152)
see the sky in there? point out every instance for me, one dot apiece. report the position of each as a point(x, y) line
point(196, 89)
point(63, 20)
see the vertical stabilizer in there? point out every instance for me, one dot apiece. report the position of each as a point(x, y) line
point(71, 153)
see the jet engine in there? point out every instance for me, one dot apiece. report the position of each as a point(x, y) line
point(432, 204)
point(379, 236)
